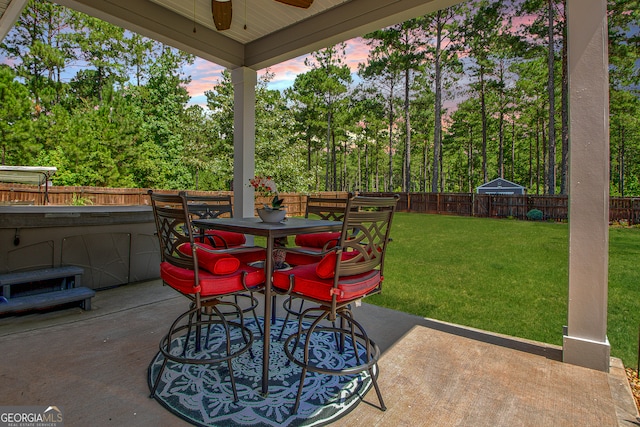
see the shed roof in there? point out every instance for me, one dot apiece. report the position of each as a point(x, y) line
point(500, 184)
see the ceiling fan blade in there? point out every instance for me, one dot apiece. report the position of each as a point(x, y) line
point(305, 4)
point(222, 12)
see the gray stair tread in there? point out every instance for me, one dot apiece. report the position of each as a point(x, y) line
point(48, 299)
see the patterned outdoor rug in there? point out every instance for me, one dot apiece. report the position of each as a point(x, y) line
point(202, 394)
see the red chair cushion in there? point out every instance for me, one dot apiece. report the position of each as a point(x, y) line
point(297, 258)
point(308, 283)
point(182, 279)
point(214, 263)
point(226, 238)
point(318, 240)
point(326, 268)
point(257, 254)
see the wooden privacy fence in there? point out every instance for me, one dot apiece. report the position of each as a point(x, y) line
point(19, 194)
point(555, 208)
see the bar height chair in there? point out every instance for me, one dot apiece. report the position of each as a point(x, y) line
point(219, 206)
point(348, 272)
point(310, 248)
point(204, 276)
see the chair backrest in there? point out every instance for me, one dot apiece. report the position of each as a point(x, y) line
point(207, 207)
point(326, 208)
point(365, 234)
point(174, 228)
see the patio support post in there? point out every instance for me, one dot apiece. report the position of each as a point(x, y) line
point(244, 139)
point(585, 341)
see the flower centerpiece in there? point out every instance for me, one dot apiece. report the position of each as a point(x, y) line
point(266, 188)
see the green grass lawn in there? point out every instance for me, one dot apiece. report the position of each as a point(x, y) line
point(504, 276)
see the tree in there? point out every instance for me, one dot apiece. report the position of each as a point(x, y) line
point(278, 151)
point(38, 44)
point(482, 27)
point(464, 134)
point(369, 117)
point(140, 53)
point(400, 49)
point(424, 125)
point(442, 26)
point(100, 45)
point(309, 123)
point(163, 102)
point(15, 120)
point(382, 73)
point(328, 80)
point(624, 77)
point(545, 31)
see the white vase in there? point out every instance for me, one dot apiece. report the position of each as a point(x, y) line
point(272, 216)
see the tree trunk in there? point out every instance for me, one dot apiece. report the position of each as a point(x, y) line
point(564, 165)
point(470, 160)
point(407, 133)
point(377, 165)
point(334, 160)
point(309, 150)
point(326, 172)
point(530, 162)
point(513, 147)
point(544, 156)
point(538, 157)
point(390, 182)
point(621, 162)
point(366, 187)
point(551, 171)
point(437, 126)
point(501, 125)
point(425, 166)
point(483, 110)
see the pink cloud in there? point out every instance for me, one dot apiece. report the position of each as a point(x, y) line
point(288, 70)
point(205, 75)
point(357, 53)
point(7, 61)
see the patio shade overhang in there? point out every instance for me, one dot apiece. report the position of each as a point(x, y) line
point(275, 31)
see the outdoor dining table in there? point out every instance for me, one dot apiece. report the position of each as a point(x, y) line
point(271, 231)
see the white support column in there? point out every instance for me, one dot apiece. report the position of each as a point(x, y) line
point(585, 342)
point(244, 139)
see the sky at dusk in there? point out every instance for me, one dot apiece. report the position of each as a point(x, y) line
point(205, 75)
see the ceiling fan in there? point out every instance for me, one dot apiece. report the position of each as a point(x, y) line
point(221, 10)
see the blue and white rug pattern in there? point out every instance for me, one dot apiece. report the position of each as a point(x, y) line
point(202, 394)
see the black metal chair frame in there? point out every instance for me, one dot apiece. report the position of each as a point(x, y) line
point(324, 208)
point(174, 229)
point(209, 207)
point(367, 223)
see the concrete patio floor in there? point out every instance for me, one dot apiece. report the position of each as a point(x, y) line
point(93, 366)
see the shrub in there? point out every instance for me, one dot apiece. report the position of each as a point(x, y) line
point(535, 215)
